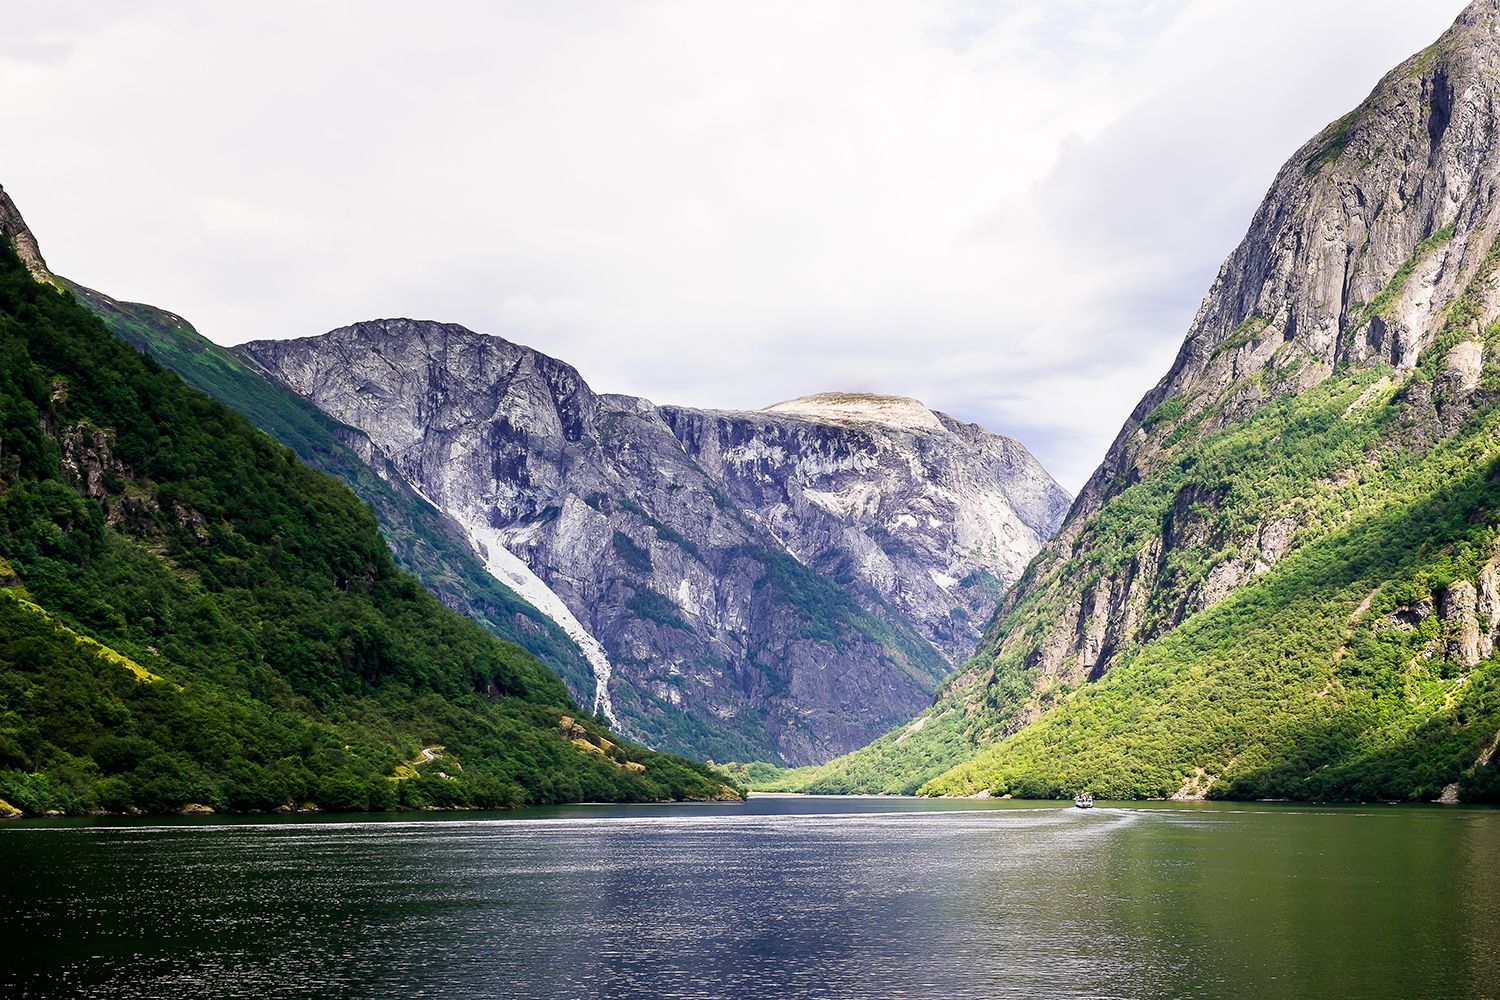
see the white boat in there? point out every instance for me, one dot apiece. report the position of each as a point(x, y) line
point(1084, 800)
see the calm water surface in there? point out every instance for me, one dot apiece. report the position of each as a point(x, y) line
point(779, 897)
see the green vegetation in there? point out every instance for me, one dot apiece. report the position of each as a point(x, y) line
point(1297, 685)
point(188, 614)
point(1333, 147)
point(653, 607)
point(898, 763)
point(1327, 676)
point(1422, 60)
point(1287, 688)
point(1382, 303)
point(1251, 329)
point(1165, 412)
point(631, 554)
point(422, 540)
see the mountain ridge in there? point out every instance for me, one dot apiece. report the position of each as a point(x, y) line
point(1271, 580)
point(423, 540)
point(675, 534)
point(192, 619)
point(18, 236)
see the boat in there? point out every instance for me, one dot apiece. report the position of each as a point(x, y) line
point(1084, 800)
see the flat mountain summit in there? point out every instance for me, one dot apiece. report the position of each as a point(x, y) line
point(853, 409)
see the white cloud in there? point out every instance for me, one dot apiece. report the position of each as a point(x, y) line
point(1008, 208)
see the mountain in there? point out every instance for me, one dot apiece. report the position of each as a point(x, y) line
point(935, 516)
point(1282, 579)
point(784, 584)
point(423, 540)
point(15, 234)
point(191, 617)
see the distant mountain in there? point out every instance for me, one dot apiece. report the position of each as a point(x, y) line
point(1282, 580)
point(192, 618)
point(423, 540)
point(782, 584)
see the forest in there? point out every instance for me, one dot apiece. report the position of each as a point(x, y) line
point(192, 616)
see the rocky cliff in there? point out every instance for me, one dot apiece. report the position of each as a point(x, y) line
point(424, 541)
point(1369, 236)
point(1278, 582)
point(780, 584)
point(935, 516)
point(14, 231)
point(192, 621)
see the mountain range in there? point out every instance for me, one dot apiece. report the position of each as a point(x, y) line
point(780, 585)
point(193, 619)
point(1281, 581)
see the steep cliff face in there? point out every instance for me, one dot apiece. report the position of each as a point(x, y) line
point(1223, 606)
point(423, 540)
point(783, 584)
point(14, 231)
point(1369, 236)
point(934, 516)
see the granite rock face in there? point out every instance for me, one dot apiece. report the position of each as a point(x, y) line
point(1368, 237)
point(1289, 534)
point(933, 515)
point(780, 584)
point(13, 230)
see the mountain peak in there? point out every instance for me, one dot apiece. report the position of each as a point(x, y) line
point(849, 409)
point(1369, 235)
point(1232, 599)
point(1479, 11)
point(14, 229)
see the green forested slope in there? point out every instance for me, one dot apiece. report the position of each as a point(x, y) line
point(417, 533)
point(1284, 578)
point(1333, 674)
point(190, 614)
point(1330, 676)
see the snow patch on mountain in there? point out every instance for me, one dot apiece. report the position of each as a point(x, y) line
point(510, 570)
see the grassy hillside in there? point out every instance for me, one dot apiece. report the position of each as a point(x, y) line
point(421, 540)
point(190, 614)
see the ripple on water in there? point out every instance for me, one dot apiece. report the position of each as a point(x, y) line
point(788, 899)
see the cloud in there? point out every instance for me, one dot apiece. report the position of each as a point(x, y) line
point(1008, 208)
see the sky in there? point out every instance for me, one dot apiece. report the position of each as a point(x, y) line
point(1009, 209)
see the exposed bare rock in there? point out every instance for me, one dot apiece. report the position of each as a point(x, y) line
point(1274, 541)
point(1464, 364)
point(88, 462)
point(935, 516)
point(1369, 234)
point(783, 583)
point(1487, 606)
point(1195, 787)
point(1457, 604)
point(1221, 581)
point(13, 229)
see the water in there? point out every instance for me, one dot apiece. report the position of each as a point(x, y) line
point(779, 897)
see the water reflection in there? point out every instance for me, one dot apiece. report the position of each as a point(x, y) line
point(784, 898)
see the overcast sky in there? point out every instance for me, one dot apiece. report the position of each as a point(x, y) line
point(1009, 209)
